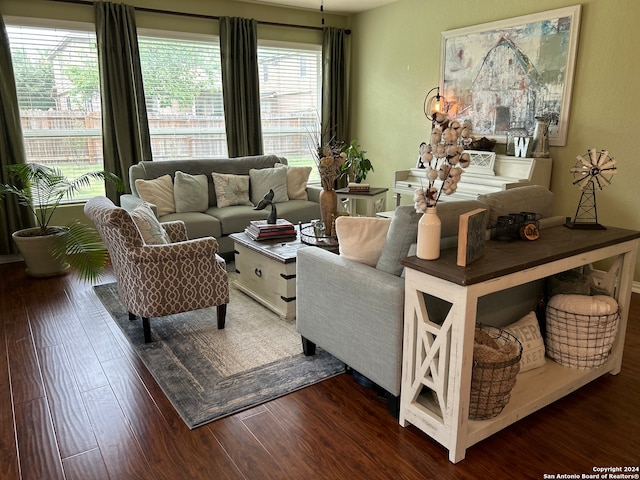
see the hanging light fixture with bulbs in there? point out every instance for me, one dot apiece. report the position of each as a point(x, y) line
point(434, 104)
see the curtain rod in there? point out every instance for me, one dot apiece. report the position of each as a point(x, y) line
point(197, 15)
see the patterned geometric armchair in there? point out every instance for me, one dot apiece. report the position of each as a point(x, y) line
point(159, 280)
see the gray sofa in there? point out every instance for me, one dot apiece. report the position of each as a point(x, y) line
point(215, 221)
point(355, 312)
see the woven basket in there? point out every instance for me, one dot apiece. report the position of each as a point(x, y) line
point(580, 341)
point(492, 382)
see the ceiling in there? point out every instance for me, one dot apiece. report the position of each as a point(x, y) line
point(330, 6)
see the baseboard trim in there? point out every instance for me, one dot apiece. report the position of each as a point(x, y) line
point(10, 258)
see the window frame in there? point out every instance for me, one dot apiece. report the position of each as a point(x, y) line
point(93, 135)
point(314, 178)
point(211, 39)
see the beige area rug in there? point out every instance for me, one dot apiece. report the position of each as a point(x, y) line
point(208, 373)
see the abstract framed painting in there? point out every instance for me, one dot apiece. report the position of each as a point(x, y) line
point(503, 74)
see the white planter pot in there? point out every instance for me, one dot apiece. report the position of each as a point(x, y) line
point(36, 251)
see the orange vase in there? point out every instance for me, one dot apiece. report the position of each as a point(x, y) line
point(328, 209)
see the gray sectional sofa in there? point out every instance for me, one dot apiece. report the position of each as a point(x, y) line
point(212, 219)
point(355, 311)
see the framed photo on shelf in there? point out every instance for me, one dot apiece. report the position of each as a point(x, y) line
point(503, 74)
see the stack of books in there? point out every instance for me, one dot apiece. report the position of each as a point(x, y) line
point(357, 187)
point(261, 230)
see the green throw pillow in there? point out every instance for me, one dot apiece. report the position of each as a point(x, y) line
point(265, 179)
point(403, 231)
point(190, 192)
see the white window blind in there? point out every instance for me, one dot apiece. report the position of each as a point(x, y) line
point(183, 90)
point(56, 73)
point(290, 88)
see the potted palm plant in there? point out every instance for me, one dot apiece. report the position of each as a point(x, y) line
point(47, 249)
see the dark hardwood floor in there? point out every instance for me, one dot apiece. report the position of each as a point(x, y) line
point(77, 403)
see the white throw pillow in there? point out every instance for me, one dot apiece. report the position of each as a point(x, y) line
point(265, 179)
point(190, 192)
point(361, 238)
point(527, 331)
point(231, 189)
point(159, 192)
point(297, 178)
point(148, 225)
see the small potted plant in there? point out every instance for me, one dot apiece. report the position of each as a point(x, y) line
point(357, 164)
point(51, 250)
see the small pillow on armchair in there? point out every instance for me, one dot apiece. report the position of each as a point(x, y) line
point(403, 232)
point(148, 225)
point(361, 238)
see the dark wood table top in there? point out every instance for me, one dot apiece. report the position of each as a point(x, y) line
point(372, 191)
point(503, 258)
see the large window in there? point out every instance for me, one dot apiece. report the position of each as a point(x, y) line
point(183, 88)
point(56, 72)
point(290, 87)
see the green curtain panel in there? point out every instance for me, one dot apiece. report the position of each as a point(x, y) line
point(240, 86)
point(12, 216)
point(335, 85)
point(125, 128)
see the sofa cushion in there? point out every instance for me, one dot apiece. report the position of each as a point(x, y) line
point(159, 192)
point(402, 232)
point(190, 192)
point(148, 225)
point(361, 238)
point(231, 189)
point(236, 218)
point(198, 224)
point(297, 178)
point(265, 179)
point(530, 198)
point(299, 211)
point(527, 331)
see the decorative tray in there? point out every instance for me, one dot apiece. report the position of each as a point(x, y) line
point(307, 235)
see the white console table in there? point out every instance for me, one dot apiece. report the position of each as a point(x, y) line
point(438, 347)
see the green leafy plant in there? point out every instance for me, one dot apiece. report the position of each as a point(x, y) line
point(42, 189)
point(357, 161)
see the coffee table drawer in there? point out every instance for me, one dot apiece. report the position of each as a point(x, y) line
point(267, 280)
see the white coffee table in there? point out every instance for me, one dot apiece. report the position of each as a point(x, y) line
point(266, 270)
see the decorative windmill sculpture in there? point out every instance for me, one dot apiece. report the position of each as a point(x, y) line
point(591, 170)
